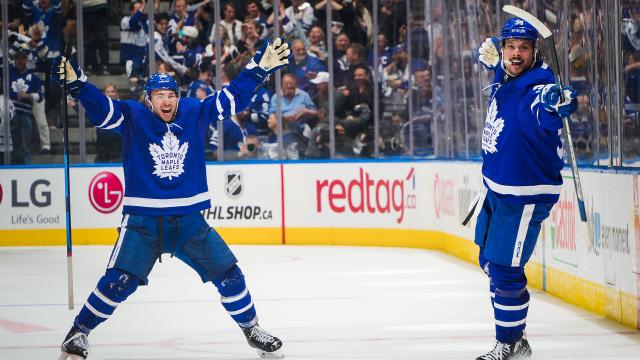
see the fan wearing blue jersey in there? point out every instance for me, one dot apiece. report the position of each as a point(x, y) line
point(522, 159)
point(163, 146)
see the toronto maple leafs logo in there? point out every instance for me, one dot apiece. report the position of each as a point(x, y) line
point(19, 85)
point(492, 129)
point(170, 157)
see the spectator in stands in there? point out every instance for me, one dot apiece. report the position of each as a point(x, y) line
point(4, 146)
point(296, 20)
point(203, 85)
point(392, 16)
point(269, 148)
point(25, 90)
point(304, 67)
point(581, 128)
point(252, 38)
point(47, 14)
point(161, 45)
point(228, 53)
point(231, 25)
point(317, 46)
point(298, 110)
point(188, 47)
point(254, 12)
point(354, 18)
point(384, 54)
point(258, 111)
point(355, 56)
point(133, 44)
point(180, 17)
point(36, 52)
point(236, 131)
point(354, 103)
point(95, 15)
point(321, 97)
point(339, 52)
point(396, 74)
point(108, 143)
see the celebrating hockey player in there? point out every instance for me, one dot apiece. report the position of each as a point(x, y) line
point(163, 157)
point(522, 159)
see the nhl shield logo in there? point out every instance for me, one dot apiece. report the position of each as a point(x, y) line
point(233, 183)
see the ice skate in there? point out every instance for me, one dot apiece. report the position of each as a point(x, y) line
point(75, 346)
point(502, 351)
point(267, 345)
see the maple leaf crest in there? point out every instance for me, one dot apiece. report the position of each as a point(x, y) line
point(19, 85)
point(170, 157)
point(492, 128)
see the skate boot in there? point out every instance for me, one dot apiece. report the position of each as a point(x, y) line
point(267, 345)
point(75, 345)
point(514, 351)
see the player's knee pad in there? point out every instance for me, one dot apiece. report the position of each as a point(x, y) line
point(231, 282)
point(509, 281)
point(117, 285)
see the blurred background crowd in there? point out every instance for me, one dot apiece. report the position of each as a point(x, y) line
point(367, 78)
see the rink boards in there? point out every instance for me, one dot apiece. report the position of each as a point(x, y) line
point(595, 265)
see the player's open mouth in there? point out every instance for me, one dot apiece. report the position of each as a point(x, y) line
point(516, 62)
point(166, 111)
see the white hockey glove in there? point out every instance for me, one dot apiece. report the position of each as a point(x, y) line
point(268, 59)
point(488, 53)
point(75, 77)
point(552, 102)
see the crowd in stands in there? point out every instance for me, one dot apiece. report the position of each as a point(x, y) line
point(184, 43)
point(185, 46)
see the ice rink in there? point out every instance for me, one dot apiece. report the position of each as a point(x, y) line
point(323, 302)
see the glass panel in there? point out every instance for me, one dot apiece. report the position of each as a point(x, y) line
point(631, 70)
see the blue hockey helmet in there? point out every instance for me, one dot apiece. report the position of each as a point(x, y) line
point(160, 81)
point(516, 28)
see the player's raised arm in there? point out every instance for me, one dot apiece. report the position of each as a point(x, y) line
point(103, 112)
point(235, 97)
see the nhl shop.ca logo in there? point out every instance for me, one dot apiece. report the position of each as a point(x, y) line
point(233, 183)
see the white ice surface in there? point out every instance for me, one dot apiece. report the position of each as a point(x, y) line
point(323, 302)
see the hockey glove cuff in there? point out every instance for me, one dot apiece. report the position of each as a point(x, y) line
point(269, 59)
point(488, 53)
point(75, 77)
point(553, 102)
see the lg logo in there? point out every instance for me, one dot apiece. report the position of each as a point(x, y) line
point(106, 192)
point(39, 196)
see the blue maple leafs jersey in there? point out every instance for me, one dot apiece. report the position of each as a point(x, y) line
point(164, 163)
point(521, 147)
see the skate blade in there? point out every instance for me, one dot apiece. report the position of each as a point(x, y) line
point(278, 354)
point(65, 356)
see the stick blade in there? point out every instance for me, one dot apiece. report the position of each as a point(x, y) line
point(526, 16)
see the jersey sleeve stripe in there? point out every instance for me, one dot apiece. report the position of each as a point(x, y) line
point(109, 115)
point(232, 100)
point(117, 123)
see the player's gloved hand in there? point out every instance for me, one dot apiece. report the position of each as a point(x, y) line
point(488, 53)
point(75, 77)
point(553, 102)
point(268, 59)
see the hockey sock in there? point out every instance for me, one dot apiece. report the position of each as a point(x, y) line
point(511, 301)
point(112, 289)
point(235, 297)
point(484, 265)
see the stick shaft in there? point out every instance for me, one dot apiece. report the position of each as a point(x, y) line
point(67, 186)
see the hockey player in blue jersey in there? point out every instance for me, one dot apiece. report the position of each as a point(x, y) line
point(163, 148)
point(522, 160)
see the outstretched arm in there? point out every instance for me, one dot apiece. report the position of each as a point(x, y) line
point(235, 97)
point(103, 112)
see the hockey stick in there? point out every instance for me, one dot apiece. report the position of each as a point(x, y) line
point(67, 196)
point(551, 45)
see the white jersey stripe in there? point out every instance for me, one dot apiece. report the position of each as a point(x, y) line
point(116, 124)
point(232, 101)
point(165, 203)
point(231, 299)
point(219, 106)
point(123, 230)
point(523, 190)
point(510, 323)
point(241, 310)
point(527, 213)
point(109, 115)
point(510, 308)
point(96, 312)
